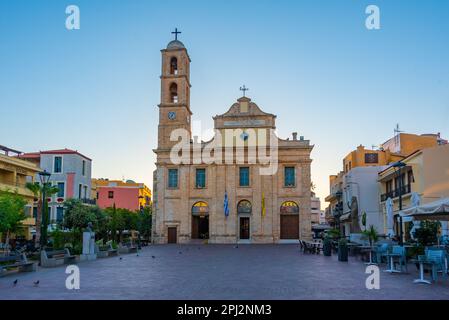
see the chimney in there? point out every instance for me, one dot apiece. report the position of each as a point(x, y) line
point(301, 138)
point(295, 135)
point(195, 139)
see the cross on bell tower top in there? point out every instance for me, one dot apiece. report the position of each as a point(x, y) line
point(176, 32)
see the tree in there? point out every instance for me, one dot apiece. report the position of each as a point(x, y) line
point(77, 215)
point(12, 213)
point(116, 223)
point(145, 223)
point(38, 191)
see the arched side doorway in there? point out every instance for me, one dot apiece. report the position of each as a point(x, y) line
point(289, 220)
point(244, 209)
point(200, 220)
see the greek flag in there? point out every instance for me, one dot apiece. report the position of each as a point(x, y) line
point(225, 204)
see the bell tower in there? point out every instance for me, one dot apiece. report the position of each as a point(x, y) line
point(174, 109)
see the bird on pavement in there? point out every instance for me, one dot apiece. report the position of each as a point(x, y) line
point(153, 257)
point(15, 282)
point(36, 283)
point(121, 258)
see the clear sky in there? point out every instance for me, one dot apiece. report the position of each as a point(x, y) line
point(313, 63)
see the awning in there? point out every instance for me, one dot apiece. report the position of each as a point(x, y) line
point(436, 210)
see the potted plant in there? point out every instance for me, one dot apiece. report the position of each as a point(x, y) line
point(327, 246)
point(342, 250)
point(426, 236)
point(371, 234)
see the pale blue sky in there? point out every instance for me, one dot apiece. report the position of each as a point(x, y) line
point(313, 63)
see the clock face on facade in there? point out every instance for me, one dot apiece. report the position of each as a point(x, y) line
point(244, 136)
point(172, 115)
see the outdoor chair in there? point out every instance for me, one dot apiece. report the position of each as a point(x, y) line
point(398, 254)
point(437, 259)
point(381, 251)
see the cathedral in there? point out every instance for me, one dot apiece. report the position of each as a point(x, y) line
point(245, 185)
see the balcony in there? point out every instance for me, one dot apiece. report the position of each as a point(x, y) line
point(13, 186)
point(395, 193)
point(92, 202)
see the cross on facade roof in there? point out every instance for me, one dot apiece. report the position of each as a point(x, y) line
point(176, 32)
point(244, 89)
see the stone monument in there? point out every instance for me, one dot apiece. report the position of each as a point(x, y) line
point(88, 244)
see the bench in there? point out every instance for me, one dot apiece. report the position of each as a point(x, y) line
point(56, 258)
point(16, 261)
point(105, 251)
point(127, 248)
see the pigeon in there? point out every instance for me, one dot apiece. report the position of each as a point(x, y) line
point(15, 282)
point(36, 283)
point(153, 257)
point(180, 252)
point(121, 258)
point(137, 254)
point(236, 247)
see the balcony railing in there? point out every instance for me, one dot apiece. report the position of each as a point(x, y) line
point(395, 193)
point(89, 201)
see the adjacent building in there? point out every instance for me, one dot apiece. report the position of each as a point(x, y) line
point(70, 172)
point(426, 173)
point(315, 209)
point(231, 200)
point(123, 194)
point(355, 190)
point(14, 174)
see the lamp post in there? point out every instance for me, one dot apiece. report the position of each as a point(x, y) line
point(44, 177)
point(140, 220)
point(398, 168)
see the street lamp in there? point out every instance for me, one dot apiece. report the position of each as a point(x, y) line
point(398, 168)
point(44, 177)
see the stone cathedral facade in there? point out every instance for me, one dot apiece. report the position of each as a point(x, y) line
point(189, 197)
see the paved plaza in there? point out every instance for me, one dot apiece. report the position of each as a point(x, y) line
point(220, 272)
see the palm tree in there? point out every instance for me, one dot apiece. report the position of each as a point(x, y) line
point(38, 190)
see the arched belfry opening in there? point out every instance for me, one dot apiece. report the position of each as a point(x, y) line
point(174, 93)
point(174, 66)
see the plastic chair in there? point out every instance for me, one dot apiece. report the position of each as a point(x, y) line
point(398, 252)
point(437, 259)
point(381, 252)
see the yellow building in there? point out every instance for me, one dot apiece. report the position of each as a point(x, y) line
point(406, 143)
point(426, 172)
point(362, 157)
point(14, 174)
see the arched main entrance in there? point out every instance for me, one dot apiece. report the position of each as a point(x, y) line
point(289, 220)
point(200, 220)
point(244, 209)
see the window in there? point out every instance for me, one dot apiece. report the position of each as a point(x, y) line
point(371, 158)
point(85, 192)
point(80, 187)
point(59, 214)
point(410, 177)
point(111, 194)
point(201, 178)
point(84, 168)
point(389, 186)
point(172, 178)
point(174, 65)
point(244, 177)
point(289, 207)
point(174, 93)
point(61, 186)
point(49, 213)
point(289, 176)
point(244, 206)
point(35, 212)
point(57, 168)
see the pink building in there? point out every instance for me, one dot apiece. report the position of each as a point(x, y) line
point(126, 195)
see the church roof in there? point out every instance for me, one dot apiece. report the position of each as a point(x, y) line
point(253, 110)
point(175, 44)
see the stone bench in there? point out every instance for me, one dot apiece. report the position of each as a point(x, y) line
point(56, 258)
point(127, 248)
point(105, 251)
point(18, 262)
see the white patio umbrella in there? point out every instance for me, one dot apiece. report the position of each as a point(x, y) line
point(415, 201)
point(390, 217)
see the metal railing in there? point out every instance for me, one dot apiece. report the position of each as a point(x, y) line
point(395, 193)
